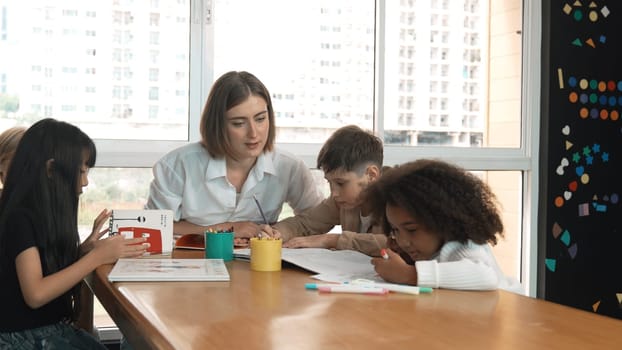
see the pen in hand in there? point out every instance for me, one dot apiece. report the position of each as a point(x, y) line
point(384, 254)
point(263, 216)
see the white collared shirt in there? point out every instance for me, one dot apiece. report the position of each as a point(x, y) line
point(194, 185)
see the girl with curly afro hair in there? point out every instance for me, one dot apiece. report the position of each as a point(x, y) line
point(441, 221)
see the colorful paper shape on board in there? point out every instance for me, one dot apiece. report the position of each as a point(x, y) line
point(595, 306)
point(573, 185)
point(567, 9)
point(592, 5)
point(568, 145)
point(593, 16)
point(619, 296)
point(577, 3)
point(550, 264)
point(602, 39)
point(572, 251)
point(590, 42)
point(565, 238)
point(577, 42)
point(557, 230)
point(601, 208)
point(584, 209)
point(567, 195)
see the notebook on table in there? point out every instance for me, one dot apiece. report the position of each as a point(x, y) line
point(126, 270)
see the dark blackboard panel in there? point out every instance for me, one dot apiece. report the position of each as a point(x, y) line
point(581, 177)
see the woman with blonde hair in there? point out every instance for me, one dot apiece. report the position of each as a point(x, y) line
point(8, 144)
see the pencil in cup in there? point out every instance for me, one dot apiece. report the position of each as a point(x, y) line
point(266, 254)
point(219, 245)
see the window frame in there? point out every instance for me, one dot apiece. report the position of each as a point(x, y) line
point(144, 153)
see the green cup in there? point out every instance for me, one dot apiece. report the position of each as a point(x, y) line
point(219, 245)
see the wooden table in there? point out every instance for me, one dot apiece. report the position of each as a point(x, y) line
point(272, 310)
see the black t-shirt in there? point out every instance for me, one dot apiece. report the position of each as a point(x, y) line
point(15, 314)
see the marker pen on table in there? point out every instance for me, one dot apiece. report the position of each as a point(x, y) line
point(344, 288)
point(316, 286)
point(392, 287)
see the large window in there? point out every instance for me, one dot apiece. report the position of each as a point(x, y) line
point(118, 69)
point(435, 78)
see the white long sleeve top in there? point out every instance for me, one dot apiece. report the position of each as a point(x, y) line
point(467, 266)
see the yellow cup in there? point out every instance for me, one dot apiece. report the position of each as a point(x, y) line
point(266, 254)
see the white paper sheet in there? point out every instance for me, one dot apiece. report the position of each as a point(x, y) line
point(330, 265)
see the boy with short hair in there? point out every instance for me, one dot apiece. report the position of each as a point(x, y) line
point(351, 159)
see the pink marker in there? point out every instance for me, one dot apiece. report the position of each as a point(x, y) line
point(384, 254)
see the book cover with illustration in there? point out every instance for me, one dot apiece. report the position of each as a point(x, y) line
point(127, 270)
point(156, 225)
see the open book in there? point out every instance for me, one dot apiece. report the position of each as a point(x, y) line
point(169, 270)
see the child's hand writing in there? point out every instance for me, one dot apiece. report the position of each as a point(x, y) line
point(395, 269)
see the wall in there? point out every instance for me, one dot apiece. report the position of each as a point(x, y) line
point(581, 216)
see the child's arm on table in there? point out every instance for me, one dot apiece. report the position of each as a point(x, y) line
point(39, 290)
point(324, 240)
point(366, 243)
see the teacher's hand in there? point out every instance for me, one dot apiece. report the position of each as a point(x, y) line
point(269, 231)
point(244, 229)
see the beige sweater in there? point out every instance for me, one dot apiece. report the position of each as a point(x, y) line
point(323, 217)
